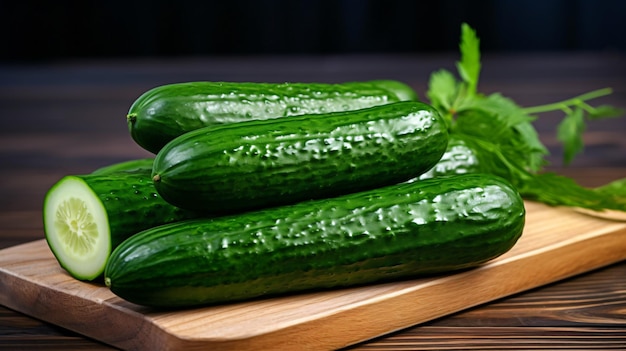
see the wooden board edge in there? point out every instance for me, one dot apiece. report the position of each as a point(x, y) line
point(566, 261)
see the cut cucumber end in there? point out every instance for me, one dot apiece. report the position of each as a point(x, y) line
point(77, 230)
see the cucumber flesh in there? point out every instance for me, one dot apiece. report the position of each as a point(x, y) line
point(77, 228)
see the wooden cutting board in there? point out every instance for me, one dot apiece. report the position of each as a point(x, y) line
point(557, 243)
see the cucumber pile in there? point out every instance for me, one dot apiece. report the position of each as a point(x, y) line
point(260, 189)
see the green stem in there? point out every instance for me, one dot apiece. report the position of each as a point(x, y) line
point(565, 103)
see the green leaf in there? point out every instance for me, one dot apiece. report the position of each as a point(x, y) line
point(536, 150)
point(556, 190)
point(469, 66)
point(507, 116)
point(605, 111)
point(510, 114)
point(493, 133)
point(615, 189)
point(570, 132)
point(442, 90)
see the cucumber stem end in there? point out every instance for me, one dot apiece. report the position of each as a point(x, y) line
point(131, 118)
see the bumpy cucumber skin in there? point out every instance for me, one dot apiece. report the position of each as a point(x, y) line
point(126, 166)
point(257, 164)
point(405, 230)
point(165, 112)
point(132, 203)
point(460, 157)
point(465, 155)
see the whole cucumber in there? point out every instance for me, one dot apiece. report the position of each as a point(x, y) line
point(257, 164)
point(400, 231)
point(165, 112)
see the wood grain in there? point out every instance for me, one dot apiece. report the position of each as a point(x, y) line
point(549, 250)
point(506, 338)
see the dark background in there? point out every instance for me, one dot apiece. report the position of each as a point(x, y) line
point(124, 28)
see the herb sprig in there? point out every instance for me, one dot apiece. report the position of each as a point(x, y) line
point(500, 128)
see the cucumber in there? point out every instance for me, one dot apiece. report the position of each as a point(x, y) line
point(255, 164)
point(165, 112)
point(400, 231)
point(125, 166)
point(460, 157)
point(86, 216)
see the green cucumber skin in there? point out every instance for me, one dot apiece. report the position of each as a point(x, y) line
point(165, 112)
point(132, 203)
point(465, 155)
point(126, 166)
point(400, 231)
point(257, 164)
point(460, 157)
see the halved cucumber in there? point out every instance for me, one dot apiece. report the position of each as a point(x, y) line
point(77, 228)
point(86, 216)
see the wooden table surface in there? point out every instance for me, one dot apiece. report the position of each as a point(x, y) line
point(69, 118)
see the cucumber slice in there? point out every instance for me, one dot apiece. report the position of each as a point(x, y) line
point(77, 228)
